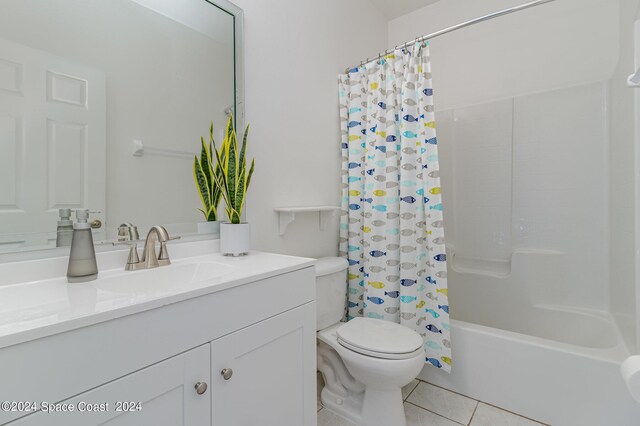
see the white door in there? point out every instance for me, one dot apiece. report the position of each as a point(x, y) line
point(271, 373)
point(166, 393)
point(52, 142)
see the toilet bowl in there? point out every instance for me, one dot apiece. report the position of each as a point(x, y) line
point(365, 362)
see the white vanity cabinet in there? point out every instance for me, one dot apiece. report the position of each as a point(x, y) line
point(260, 331)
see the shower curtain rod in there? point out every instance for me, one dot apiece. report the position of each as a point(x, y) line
point(458, 26)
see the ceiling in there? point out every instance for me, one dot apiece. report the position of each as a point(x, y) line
point(392, 9)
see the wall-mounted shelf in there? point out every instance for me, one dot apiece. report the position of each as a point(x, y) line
point(288, 215)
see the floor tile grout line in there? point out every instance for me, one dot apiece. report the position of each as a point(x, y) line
point(433, 412)
point(479, 401)
point(474, 412)
point(414, 388)
point(515, 414)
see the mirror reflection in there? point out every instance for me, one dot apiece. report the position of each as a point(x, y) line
point(102, 105)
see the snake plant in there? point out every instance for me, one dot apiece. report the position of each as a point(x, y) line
point(234, 179)
point(204, 175)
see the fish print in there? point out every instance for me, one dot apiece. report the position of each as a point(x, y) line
point(376, 284)
point(433, 345)
point(392, 294)
point(353, 124)
point(432, 328)
point(407, 315)
point(430, 141)
point(444, 308)
point(408, 265)
point(377, 253)
point(440, 257)
point(391, 310)
point(410, 118)
point(443, 291)
point(434, 361)
point(436, 207)
point(408, 199)
point(391, 138)
point(446, 359)
point(406, 282)
point(353, 305)
point(378, 238)
point(380, 208)
point(375, 315)
point(420, 304)
point(376, 300)
point(407, 299)
point(353, 262)
point(432, 312)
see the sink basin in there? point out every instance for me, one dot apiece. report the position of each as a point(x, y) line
point(166, 278)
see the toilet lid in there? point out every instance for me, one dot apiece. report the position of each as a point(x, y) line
point(379, 338)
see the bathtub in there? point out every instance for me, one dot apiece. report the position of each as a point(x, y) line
point(511, 348)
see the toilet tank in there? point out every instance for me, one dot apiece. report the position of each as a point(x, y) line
point(331, 290)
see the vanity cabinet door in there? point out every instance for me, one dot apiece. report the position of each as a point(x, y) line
point(166, 393)
point(265, 374)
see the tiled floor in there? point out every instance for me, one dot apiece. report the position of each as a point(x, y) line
point(429, 405)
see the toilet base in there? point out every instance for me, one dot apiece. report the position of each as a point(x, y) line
point(374, 407)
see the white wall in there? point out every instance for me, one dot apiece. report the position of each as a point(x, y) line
point(294, 51)
point(523, 121)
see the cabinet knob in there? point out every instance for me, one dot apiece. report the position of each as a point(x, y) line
point(201, 387)
point(227, 373)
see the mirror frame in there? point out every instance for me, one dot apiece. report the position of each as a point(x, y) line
point(238, 48)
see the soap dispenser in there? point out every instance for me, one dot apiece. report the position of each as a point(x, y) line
point(65, 228)
point(82, 259)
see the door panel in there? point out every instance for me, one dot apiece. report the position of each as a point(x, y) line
point(52, 142)
point(273, 380)
point(165, 391)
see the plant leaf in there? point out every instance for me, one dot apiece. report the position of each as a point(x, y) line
point(201, 184)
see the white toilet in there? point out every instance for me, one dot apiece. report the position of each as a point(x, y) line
point(364, 362)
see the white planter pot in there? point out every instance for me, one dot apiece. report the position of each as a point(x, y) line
point(208, 227)
point(235, 239)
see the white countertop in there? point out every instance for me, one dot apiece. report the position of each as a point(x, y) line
point(43, 307)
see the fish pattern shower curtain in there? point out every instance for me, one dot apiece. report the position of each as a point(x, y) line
point(391, 229)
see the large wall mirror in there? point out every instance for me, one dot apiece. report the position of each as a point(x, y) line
point(102, 105)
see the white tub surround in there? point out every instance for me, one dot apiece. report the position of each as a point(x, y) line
point(152, 335)
point(527, 353)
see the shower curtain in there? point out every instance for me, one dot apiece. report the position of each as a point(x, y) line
point(391, 228)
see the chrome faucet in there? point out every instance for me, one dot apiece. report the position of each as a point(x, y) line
point(149, 257)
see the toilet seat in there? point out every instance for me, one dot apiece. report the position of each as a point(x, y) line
point(379, 338)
